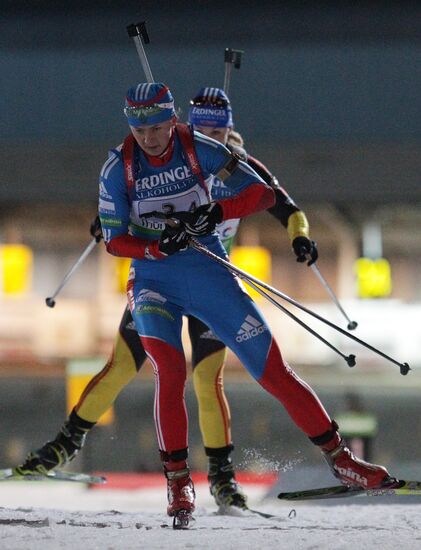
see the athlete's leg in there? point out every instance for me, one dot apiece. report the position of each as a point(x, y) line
point(208, 362)
point(247, 334)
point(124, 363)
point(100, 393)
point(159, 323)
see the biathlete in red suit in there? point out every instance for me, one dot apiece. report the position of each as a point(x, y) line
point(168, 279)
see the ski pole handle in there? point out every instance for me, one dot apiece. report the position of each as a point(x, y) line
point(140, 35)
point(231, 57)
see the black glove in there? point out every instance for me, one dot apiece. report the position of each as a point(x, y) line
point(202, 221)
point(173, 240)
point(303, 247)
point(96, 229)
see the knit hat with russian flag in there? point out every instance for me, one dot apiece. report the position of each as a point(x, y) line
point(211, 107)
point(148, 103)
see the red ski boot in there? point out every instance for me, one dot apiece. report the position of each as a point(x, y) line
point(354, 471)
point(181, 497)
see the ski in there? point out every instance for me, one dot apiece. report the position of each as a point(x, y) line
point(397, 487)
point(10, 474)
point(243, 511)
point(261, 514)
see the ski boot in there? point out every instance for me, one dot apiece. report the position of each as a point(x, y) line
point(351, 470)
point(58, 452)
point(223, 485)
point(181, 497)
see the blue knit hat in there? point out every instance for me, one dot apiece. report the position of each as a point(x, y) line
point(148, 103)
point(211, 107)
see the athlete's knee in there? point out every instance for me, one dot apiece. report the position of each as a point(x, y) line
point(277, 376)
point(208, 375)
point(125, 360)
point(169, 364)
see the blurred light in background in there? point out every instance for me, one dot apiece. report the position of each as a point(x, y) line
point(352, 163)
point(16, 262)
point(122, 266)
point(257, 261)
point(374, 279)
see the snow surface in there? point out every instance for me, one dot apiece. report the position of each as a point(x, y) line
point(55, 515)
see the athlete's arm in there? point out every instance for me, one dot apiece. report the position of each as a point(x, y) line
point(285, 210)
point(252, 194)
point(114, 213)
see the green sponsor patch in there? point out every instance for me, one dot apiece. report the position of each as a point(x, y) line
point(143, 310)
point(110, 221)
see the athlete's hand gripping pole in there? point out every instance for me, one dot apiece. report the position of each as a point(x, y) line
point(404, 367)
point(140, 35)
point(306, 251)
point(231, 58)
point(50, 300)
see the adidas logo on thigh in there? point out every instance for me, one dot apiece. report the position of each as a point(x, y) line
point(250, 328)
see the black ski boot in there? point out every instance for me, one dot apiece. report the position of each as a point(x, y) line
point(223, 485)
point(60, 451)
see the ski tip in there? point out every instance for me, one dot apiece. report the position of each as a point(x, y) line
point(59, 475)
point(97, 480)
point(287, 496)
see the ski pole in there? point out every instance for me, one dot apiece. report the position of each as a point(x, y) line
point(174, 223)
point(231, 57)
point(50, 300)
point(349, 359)
point(139, 34)
point(351, 324)
point(404, 367)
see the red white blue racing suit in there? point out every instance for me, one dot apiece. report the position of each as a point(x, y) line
point(163, 289)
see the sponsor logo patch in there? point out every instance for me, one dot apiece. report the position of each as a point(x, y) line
point(147, 295)
point(111, 221)
point(154, 310)
point(209, 335)
point(106, 207)
point(350, 474)
point(250, 328)
point(163, 178)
